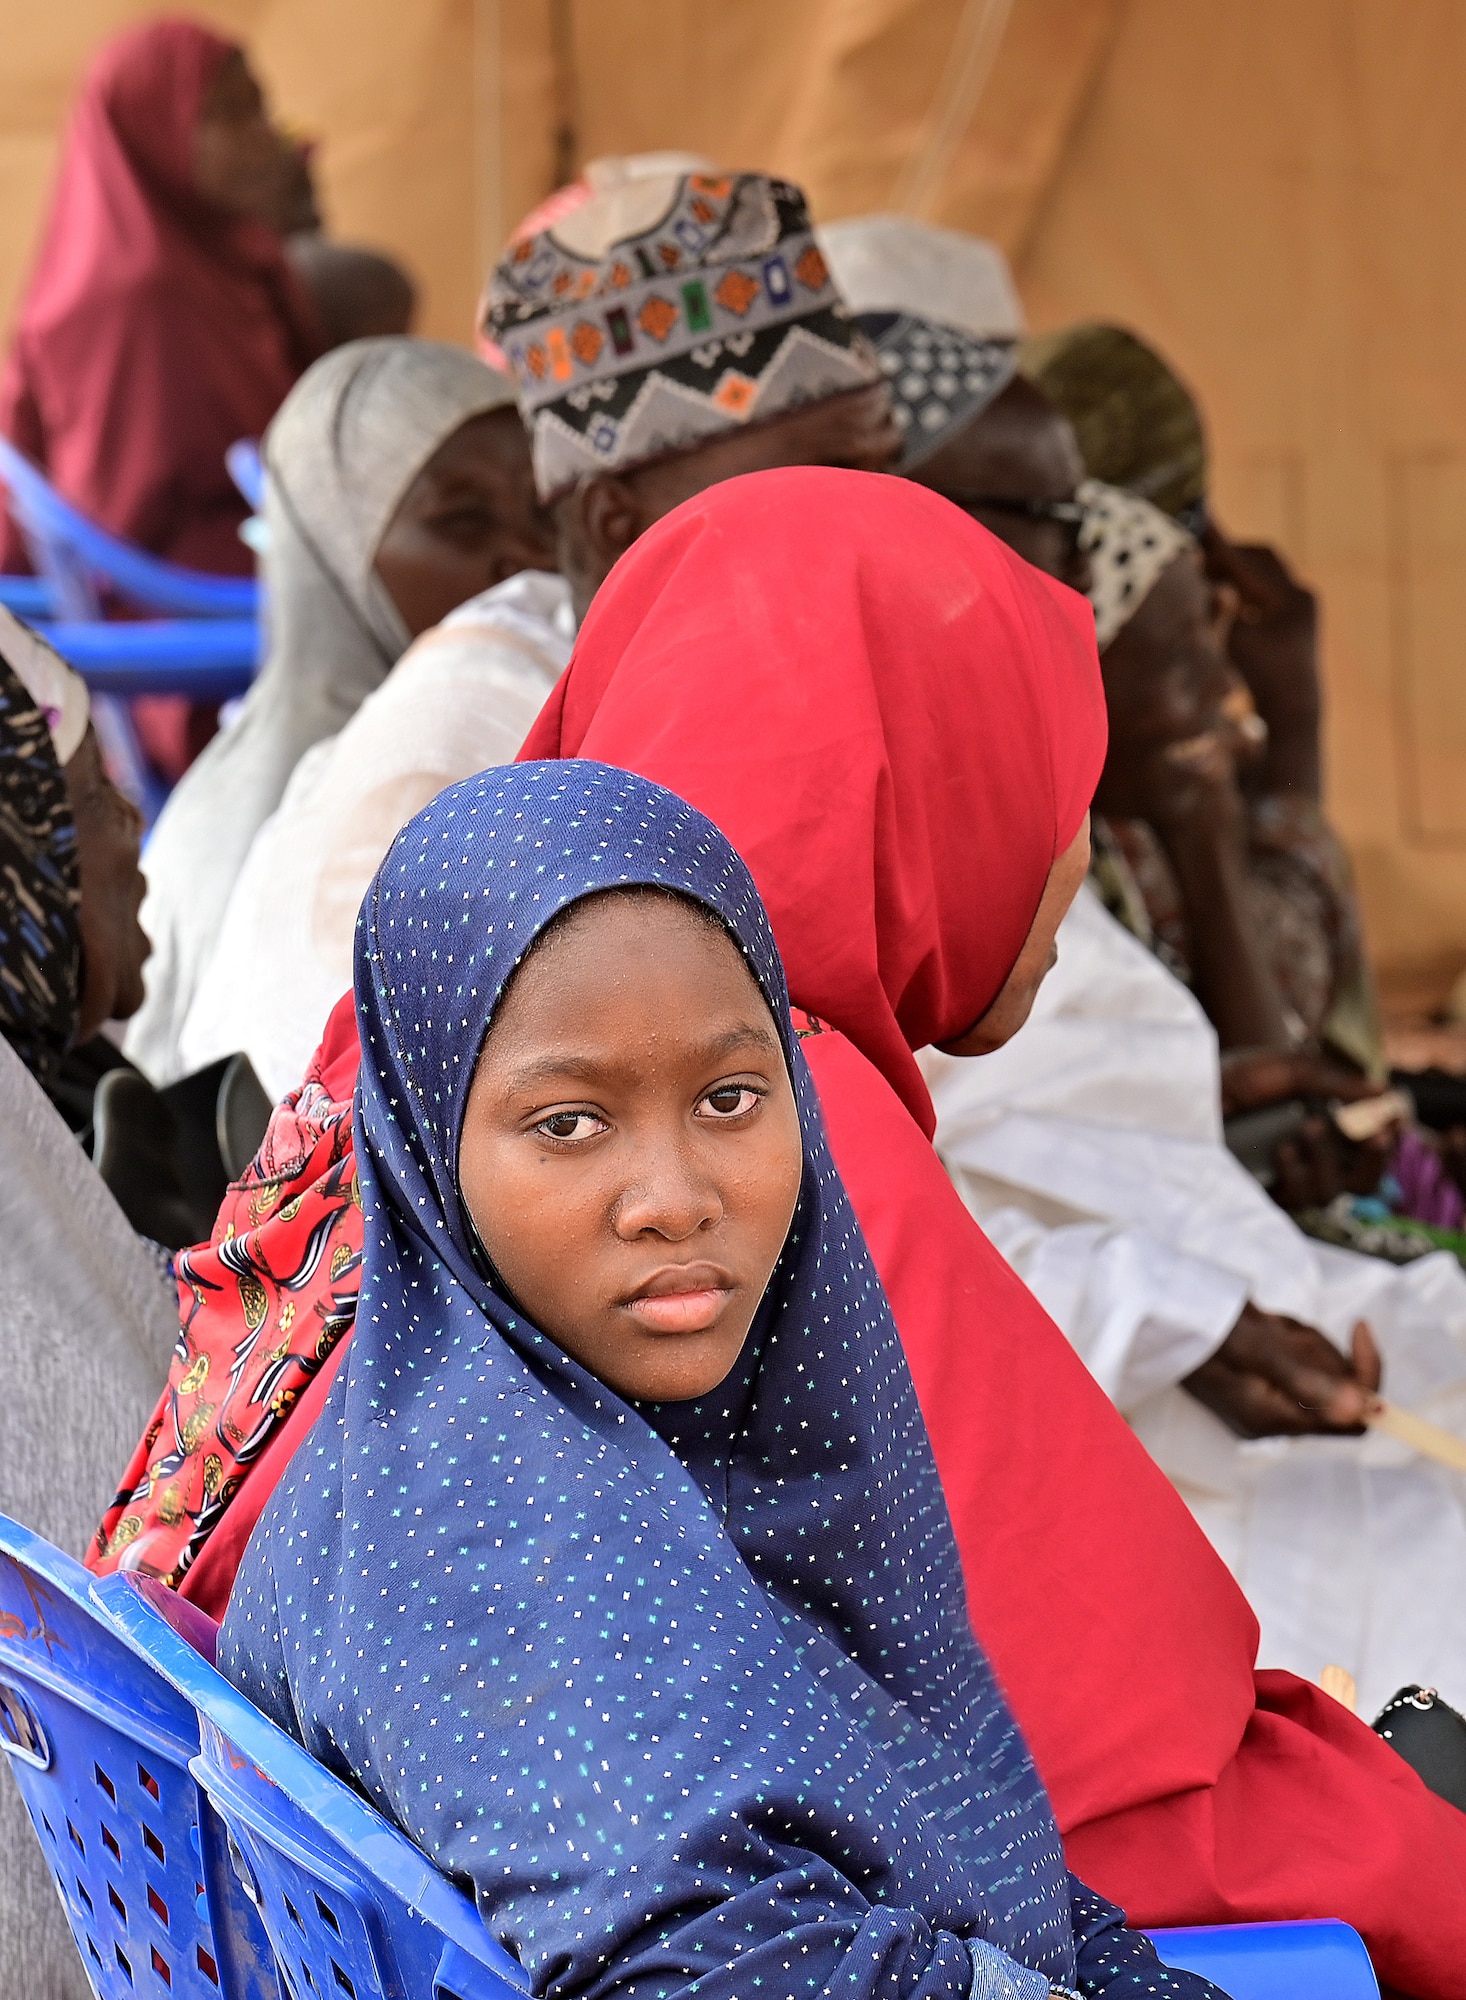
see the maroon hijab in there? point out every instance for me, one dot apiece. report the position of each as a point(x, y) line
point(156, 329)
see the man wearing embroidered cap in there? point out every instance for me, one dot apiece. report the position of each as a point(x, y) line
point(940, 310)
point(672, 331)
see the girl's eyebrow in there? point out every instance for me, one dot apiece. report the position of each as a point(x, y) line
point(593, 1069)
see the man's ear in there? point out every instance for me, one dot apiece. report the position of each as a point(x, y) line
point(610, 517)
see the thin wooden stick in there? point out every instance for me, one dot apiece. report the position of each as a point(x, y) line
point(1426, 1438)
point(1339, 1682)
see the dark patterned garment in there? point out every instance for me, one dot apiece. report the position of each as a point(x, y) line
point(1303, 908)
point(40, 891)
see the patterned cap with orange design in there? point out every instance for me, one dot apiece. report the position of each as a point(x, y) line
point(664, 312)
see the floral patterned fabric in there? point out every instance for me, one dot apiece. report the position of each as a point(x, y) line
point(263, 1307)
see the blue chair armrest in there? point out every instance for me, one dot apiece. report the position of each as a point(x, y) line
point(210, 659)
point(247, 470)
point(1325, 1960)
point(27, 596)
point(152, 584)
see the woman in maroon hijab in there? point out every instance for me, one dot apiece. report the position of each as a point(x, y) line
point(162, 321)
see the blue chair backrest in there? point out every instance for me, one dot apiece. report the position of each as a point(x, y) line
point(352, 1907)
point(100, 1745)
point(208, 659)
point(73, 555)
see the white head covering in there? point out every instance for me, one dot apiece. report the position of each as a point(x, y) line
point(349, 440)
point(57, 690)
point(1129, 543)
point(461, 699)
point(940, 309)
point(888, 263)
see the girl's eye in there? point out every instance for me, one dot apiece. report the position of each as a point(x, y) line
point(571, 1125)
point(733, 1100)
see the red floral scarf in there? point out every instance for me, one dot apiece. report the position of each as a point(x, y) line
point(263, 1307)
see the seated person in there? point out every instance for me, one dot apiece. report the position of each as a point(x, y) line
point(1091, 1152)
point(809, 719)
point(466, 693)
point(602, 1266)
point(86, 1323)
point(940, 310)
point(1139, 427)
point(398, 485)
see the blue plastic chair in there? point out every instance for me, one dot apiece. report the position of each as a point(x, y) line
point(352, 1907)
point(101, 1747)
point(174, 1817)
point(78, 560)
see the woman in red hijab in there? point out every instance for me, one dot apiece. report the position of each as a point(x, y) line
point(899, 724)
point(161, 321)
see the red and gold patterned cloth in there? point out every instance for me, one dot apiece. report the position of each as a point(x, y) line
point(263, 1308)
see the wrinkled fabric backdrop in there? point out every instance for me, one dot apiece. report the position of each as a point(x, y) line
point(1257, 187)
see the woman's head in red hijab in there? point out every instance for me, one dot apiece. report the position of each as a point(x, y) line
point(897, 722)
point(186, 110)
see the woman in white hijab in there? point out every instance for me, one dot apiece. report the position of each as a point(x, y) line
point(350, 453)
point(1091, 1151)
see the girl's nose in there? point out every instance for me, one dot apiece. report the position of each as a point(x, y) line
point(671, 1195)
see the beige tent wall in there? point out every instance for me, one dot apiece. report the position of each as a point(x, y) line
point(1270, 190)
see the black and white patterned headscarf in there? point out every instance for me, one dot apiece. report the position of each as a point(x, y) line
point(40, 889)
point(1129, 543)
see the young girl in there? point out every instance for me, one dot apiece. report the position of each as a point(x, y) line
point(617, 1570)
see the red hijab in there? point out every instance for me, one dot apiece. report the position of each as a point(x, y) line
point(156, 329)
point(880, 649)
point(899, 725)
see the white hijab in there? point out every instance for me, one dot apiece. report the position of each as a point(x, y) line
point(461, 699)
point(349, 440)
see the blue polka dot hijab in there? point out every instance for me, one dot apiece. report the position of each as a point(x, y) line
point(684, 1692)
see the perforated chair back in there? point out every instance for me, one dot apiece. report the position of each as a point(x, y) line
point(75, 556)
point(354, 1910)
point(100, 1745)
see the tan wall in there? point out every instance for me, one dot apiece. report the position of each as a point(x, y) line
point(1269, 189)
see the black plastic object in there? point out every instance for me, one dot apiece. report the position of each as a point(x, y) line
point(241, 1113)
point(135, 1150)
point(1253, 1137)
point(1431, 1736)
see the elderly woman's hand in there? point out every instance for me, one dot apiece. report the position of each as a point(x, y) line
point(1275, 1377)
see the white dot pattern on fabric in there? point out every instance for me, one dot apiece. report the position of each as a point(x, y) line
point(684, 1692)
point(939, 377)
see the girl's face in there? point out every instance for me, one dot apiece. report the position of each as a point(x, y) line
point(631, 1154)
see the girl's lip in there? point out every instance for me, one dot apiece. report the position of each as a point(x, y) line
point(681, 1312)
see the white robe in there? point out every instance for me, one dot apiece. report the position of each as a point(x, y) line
point(1090, 1149)
point(461, 699)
